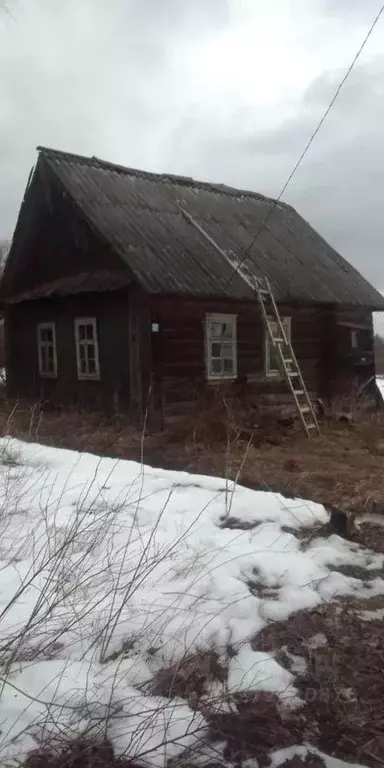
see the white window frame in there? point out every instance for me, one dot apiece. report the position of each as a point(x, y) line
point(210, 319)
point(51, 326)
point(274, 373)
point(79, 321)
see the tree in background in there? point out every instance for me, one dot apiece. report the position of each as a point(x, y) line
point(379, 354)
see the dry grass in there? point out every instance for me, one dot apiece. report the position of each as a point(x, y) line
point(342, 466)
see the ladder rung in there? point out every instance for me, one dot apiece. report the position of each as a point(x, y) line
point(284, 346)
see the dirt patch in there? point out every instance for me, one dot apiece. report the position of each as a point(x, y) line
point(311, 760)
point(256, 727)
point(260, 589)
point(370, 536)
point(234, 524)
point(358, 572)
point(190, 678)
point(342, 686)
point(78, 754)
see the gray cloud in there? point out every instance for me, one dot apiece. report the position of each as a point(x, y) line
point(141, 82)
point(352, 9)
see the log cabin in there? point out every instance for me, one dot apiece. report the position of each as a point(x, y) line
point(130, 291)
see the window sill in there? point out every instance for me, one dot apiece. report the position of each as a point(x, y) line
point(88, 377)
point(273, 375)
point(221, 379)
point(48, 375)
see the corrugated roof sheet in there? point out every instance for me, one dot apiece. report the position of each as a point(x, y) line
point(85, 282)
point(138, 213)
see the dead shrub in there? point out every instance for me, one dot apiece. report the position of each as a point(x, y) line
point(311, 760)
point(78, 754)
point(356, 407)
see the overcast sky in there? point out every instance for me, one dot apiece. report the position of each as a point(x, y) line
point(224, 90)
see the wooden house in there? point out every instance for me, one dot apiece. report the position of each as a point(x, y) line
point(129, 291)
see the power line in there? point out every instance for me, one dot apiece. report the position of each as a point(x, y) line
point(310, 140)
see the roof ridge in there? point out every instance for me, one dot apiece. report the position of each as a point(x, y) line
point(155, 176)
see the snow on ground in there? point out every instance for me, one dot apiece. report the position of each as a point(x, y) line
point(100, 556)
point(279, 757)
point(380, 384)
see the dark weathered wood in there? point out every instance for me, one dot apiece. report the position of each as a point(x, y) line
point(111, 392)
point(154, 375)
point(140, 363)
point(183, 374)
point(53, 242)
point(349, 368)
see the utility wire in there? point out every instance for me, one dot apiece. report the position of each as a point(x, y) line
point(311, 139)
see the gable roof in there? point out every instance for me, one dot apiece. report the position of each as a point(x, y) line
point(168, 230)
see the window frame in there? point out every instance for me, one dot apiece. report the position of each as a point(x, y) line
point(354, 339)
point(78, 322)
point(220, 317)
point(48, 325)
point(275, 373)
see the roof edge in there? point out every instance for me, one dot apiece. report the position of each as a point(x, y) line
point(217, 187)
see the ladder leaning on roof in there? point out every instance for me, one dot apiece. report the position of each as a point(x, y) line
point(289, 365)
point(286, 356)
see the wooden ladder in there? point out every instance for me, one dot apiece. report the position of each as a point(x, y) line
point(287, 358)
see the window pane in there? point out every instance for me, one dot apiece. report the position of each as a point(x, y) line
point(228, 349)
point(216, 330)
point(216, 349)
point(81, 332)
point(91, 365)
point(46, 335)
point(274, 328)
point(216, 366)
point(227, 330)
point(274, 359)
point(82, 352)
point(89, 332)
point(228, 365)
point(82, 366)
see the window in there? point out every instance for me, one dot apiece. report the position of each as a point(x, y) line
point(46, 346)
point(221, 351)
point(87, 352)
point(272, 358)
point(354, 339)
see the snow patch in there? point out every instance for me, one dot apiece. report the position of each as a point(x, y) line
point(111, 570)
